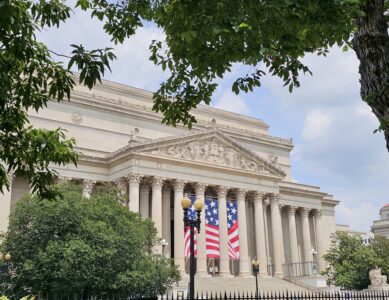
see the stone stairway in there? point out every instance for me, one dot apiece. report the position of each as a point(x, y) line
point(235, 284)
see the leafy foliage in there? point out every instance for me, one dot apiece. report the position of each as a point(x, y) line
point(76, 245)
point(29, 79)
point(350, 260)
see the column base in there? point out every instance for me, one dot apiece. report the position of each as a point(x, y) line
point(279, 275)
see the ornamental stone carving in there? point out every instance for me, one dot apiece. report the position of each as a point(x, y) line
point(134, 178)
point(305, 211)
point(88, 186)
point(157, 181)
point(179, 185)
point(210, 151)
point(121, 185)
point(222, 191)
point(273, 159)
point(377, 280)
point(292, 210)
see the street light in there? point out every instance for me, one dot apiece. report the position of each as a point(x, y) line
point(255, 266)
point(314, 267)
point(198, 206)
point(6, 264)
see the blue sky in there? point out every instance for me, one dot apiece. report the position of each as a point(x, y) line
point(332, 129)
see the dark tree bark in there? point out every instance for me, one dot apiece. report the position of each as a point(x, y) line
point(371, 44)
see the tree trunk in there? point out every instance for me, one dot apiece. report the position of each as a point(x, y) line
point(371, 44)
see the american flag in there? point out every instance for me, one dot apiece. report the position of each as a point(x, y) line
point(212, 245)
point(233, 230)
point(192, 214)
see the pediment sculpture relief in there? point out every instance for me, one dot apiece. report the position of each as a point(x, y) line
point(210, 151)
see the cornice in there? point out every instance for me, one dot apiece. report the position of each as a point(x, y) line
point(301, 190)
point(99, 100)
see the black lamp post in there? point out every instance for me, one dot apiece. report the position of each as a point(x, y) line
point(198, 205)
point(255, 266)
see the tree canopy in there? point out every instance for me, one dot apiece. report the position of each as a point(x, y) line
point(203, 40)
point(73, 245)
point(350, 260)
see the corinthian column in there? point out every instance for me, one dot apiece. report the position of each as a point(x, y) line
point(144, 193)
point(260, 234)
point(87, 187)
point(179, 225)
point(277, 235)
point(133, 191)
point(201, 252)
point(166, 192)
point(223, 232)
point(156, 203)
point(320, 247)
point(245, 266)
point(293, 234)
point(306, 235)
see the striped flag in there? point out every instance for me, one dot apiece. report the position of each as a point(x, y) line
point(192, 215)
point(212, 244)
point(233, 230)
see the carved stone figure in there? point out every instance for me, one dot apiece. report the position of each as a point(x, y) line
point(273, 159)
point(377, 280)
point(210, 151)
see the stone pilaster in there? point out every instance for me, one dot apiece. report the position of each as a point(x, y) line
point(179, 225)
point(260, 234)
point(321, 265)
point(244, 262)
point(87, 187)
point(133, 191)
point(306, 235)
point(201, 252)
point(277, 235)
point(293, 234)
point(223, 231)
point(166, 218)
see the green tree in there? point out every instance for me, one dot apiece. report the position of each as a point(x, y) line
point(73, 245)
point(380, 246)
point(350, 261)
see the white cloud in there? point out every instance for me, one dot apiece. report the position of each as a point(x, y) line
point(316, 124)
point(232, 102)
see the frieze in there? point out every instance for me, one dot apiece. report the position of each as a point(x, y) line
point(210, 151)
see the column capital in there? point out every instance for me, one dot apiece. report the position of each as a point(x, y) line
point(222, 191)
point(179, 184)
point(60, 179)
point(121, 183)
point(258, 195)
point(305, 211)
point(134, 178)
point(241, 193)
point(281, 207)
point(266, 203)
point(318, 212)
point(157, 181)
point(292, 210)
point(200, 187)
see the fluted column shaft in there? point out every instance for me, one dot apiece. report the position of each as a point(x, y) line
point(223, 231)
point(201, 252)
point(320, 247)
point(293, 235)
point(166, 220)
point(133, 191)
point(5, 205)
point(260, 234)
point(156, 204)
point(306, 235)
point(245, 267)
point(179, 225)
point(277, 235)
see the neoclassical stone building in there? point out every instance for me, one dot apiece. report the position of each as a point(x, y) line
point(230, 157)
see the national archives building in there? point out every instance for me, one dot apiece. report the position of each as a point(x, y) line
point(285, 225)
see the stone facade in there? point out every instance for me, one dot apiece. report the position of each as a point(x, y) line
point(226, 155)
point(381, 227)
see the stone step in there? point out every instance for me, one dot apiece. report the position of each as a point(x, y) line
point(231, 284)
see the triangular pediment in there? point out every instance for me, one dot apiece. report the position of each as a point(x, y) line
point(209, 147)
